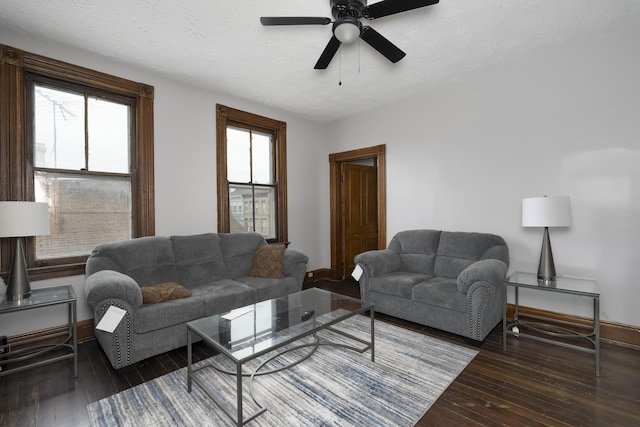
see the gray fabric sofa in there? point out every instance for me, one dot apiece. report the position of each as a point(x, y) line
point(213, 267)
point(452, 281)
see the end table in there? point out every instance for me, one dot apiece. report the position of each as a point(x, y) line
point(555, 328)
point(37, 351)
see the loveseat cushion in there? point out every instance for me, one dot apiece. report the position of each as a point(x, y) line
point(440, 292)
point(198, 259)
point(417, 249)
point(399, 283)
point(458, 250)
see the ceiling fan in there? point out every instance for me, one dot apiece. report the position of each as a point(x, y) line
point(347, 27)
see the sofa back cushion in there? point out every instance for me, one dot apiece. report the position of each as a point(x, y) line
point(458, 250)
point(199, 259)
point(417, 250)
point(238, 250)
point(148, 260)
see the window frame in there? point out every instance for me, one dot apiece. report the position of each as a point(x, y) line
point(227, 116)
point(16, 157)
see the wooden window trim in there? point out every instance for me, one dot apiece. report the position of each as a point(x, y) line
point(14, 161)
point(225, 115)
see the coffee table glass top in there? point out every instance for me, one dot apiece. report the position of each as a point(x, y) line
point(256, 329)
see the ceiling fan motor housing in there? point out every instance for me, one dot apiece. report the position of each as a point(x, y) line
point(343, 8)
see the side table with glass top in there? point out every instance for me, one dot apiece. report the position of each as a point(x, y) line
point(42, 349)
point(558, 331)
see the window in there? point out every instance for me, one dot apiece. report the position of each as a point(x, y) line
point(81, 141)
point(251, 174)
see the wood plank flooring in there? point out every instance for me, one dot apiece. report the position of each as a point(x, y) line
point(533, 384)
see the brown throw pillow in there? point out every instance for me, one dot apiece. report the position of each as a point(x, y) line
point(163, 292)
point(268, 261)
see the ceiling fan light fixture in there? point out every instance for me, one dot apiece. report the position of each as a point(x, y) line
point(347, 32)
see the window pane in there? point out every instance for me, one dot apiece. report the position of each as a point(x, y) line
point(58, 129)
point(108, 124)
point(238, 155)
point(83, 212)
point(262, 161)
point(249, 214)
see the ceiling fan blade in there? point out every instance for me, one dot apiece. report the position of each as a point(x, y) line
point(328, 53)
point(294, 20)
point(390, 7)
point(381, 44)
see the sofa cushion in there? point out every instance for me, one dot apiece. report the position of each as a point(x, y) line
point(441, 292)
point(198, 258)
point(163, 292)
point(270, 288)
point(417, 249)
point(152, 317)
point(399, 283)
point(458, 250)
point(268, 261)
point(224, 295)
point(238, 250)
point(145, 259)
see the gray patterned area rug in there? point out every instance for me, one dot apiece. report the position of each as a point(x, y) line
point(334, 387)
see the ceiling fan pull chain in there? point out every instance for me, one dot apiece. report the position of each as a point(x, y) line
point(340, 66)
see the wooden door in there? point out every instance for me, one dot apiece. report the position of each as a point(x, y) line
point(360, 210)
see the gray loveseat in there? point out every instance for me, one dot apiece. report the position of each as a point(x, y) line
point(213, 267)
point(452, 281)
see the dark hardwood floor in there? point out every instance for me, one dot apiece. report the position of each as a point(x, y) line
point(533, 384)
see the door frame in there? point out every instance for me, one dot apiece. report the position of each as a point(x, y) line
point(336, 160)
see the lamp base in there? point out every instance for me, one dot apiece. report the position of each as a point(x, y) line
point(546, 267)
point(18, 287)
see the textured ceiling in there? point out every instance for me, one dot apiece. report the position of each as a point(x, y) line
point(220, 44)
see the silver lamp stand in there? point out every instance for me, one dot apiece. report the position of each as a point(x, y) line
point(18, 286)
point(546, 267)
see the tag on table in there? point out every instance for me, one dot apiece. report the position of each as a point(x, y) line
point(357, 272)
point(111, 319)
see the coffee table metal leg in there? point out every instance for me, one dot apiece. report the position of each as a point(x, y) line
point(239, 392)
point(373, 355)
point(189, 355)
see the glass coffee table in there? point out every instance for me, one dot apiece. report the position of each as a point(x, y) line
point(249, 332)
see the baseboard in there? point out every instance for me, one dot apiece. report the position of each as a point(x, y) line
point(84, 329)
point(615, 333)
point(323, 273)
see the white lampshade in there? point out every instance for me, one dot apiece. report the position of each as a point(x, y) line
point(347, 32)
point(552, 211)
point(23, 219)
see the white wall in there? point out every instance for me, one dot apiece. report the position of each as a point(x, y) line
point(563, 122)
point(185, 169)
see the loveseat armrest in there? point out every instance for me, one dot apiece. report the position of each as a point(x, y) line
point(379, 262)
point(292, 259)
point(110, 284)
point(491, 271)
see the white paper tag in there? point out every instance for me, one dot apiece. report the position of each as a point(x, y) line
point(111, 319)
point(357, 272)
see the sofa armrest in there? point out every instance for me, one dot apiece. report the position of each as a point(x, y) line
point(379, 262)
point(292, 259)
point(492, 271)
point(110, 284)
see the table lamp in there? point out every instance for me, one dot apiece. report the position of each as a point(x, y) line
point(546, 212)
point(20, 220)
